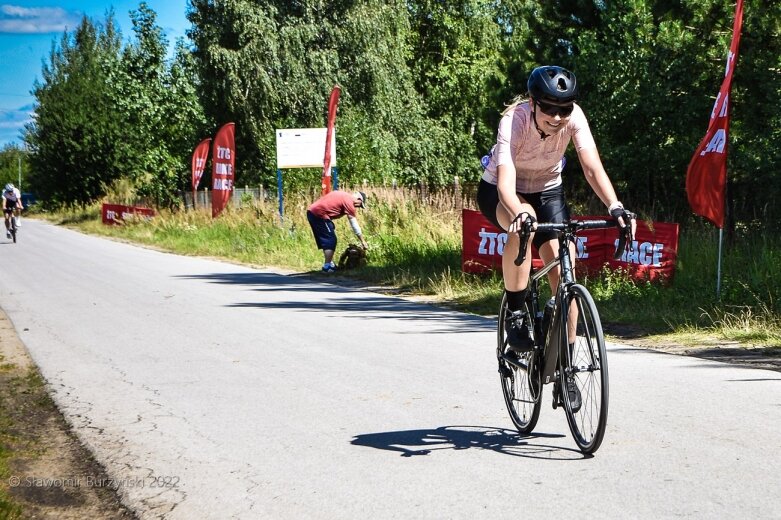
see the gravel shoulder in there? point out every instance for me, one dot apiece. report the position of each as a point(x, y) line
point(46, 472)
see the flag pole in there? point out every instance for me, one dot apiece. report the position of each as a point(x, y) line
point(706, 176)
point(718, 266)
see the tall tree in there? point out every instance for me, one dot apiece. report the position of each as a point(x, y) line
point(457, 60)
point(158, 102)
point(73, 136)
point(13, 165)
point(272, 64)
point(236, 51)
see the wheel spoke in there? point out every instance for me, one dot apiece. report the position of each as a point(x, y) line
point(520, 395)
point(585, 365)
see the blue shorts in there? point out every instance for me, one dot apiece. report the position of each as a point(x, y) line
point(323, 229)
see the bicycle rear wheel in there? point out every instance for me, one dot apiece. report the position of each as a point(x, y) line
point(520, 382)
point(584, 363)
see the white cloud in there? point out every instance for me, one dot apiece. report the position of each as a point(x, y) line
point(37, 20)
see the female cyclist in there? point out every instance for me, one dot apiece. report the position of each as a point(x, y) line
point(522, 179)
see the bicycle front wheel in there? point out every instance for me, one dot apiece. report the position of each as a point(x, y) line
point(521, 381)
point(584, 374)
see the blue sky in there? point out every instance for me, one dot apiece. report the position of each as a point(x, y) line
point(27, 30)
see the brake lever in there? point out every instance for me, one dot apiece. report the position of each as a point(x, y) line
point(625, 235)
point(526, 231)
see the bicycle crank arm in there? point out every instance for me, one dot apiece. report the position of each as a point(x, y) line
point(514, 362)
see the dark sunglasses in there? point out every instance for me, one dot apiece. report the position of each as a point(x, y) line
point(555, 110)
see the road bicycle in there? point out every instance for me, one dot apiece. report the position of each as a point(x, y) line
point(568, 344)
point(12, 226)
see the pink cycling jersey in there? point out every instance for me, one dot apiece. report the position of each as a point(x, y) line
point(538, 162)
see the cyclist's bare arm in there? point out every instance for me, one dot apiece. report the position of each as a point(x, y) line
point(508, 198)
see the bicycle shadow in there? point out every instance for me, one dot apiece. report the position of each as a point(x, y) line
point(411, 443)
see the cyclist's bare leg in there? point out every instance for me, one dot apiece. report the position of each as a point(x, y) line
point(548, 252)
point(516, 278)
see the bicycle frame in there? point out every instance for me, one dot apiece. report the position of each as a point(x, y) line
point(550, 355)
point(567, 232)
point(11, 216)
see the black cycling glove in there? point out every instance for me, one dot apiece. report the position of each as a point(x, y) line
point(528, 221)
point(617, 210)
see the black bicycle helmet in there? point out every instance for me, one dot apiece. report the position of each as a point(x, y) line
point(553, 85)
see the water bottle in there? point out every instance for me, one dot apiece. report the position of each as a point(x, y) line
point(547, 313)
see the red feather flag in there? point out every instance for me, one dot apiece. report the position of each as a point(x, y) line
point(706, 177)
point(200, 154)
point(223, 168)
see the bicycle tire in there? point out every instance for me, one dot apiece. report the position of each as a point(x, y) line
point(13, 231)
point(521, 396)
point(586, 364)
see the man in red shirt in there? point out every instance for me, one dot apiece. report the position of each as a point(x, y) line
point(321, 215)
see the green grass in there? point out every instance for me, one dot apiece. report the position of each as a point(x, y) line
point(415, 248)
point(9, 441)
point(747, 310)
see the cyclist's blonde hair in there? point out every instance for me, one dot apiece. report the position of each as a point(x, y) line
point(518, 100)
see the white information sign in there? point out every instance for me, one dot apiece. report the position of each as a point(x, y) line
point(303, 148)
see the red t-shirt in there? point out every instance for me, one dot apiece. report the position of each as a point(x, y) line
point(334, 205)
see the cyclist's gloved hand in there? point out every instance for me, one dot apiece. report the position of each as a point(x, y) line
point(627, 224)
point(521, 220)
point(621, 215)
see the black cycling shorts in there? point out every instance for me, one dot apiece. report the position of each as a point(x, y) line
point(549, 205)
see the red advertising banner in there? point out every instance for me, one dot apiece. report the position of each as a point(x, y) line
point(332, 104)
point(654, 256)
point(200, 154)
point(706, 177)
point(223, 168)
point(117, 214)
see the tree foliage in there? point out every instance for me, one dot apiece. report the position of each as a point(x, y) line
point(105, 112)
point(13, 165)
point(75, 142)
point(423, 83)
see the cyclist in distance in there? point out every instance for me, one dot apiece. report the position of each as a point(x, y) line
point(12, 204)
point(522, 180)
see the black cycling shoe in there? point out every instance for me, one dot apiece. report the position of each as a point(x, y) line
point(518, 340)
point(575, 401)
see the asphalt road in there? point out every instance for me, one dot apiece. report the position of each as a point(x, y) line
point(212, 390)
